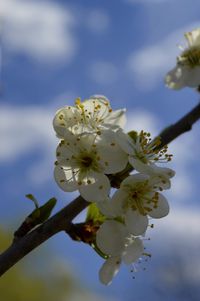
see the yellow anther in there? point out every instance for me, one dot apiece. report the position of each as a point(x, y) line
point(78, 101)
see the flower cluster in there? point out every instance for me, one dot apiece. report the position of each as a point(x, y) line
point(187, 70)
point(93, 148)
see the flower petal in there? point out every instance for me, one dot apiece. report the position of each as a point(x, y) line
point(110, 237)
point(106, 207)
point(177, 77)
point(94, 187)
point(135, 222)
point(162, 208)
point(65, 178)
point(139, 165)
point(118, 200)
point(133, 179)
point(125, 142)
point(133, 251)
point(116, 118)
point(113, 158)
point(109, 270)
point(64, 119)
point(193, 37)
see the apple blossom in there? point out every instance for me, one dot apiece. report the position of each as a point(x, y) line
point(143, 154)
point(187, 70)
point(114, 240)
point(83, 161)
point(137, 198)
point(88, 116)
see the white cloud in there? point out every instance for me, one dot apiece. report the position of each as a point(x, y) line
point(42, 30)
point(148, 65)
point(97, 21)
point(25, 130)
point(176, 236)
point(181, 227)
point(142, 120)
point(103, 73)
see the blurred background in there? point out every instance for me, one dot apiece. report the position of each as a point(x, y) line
point(53, 52)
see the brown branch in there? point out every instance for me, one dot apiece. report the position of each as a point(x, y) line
point(59, 222)
point(180, 127)
point(62, 221)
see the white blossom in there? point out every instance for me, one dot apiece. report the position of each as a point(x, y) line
point(89, 116)
point(137, 198)
point(143, 154)
point(83, 162)
point(187, 70)
point(114, 240)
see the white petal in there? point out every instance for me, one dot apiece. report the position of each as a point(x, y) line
point(163, 171)
point(133, 179)
point(109, 269)
point(140, 166)
point(64, 154)
point(177, 77)
point(106, 207)
point(113, 158)
point(125, 142)
point(162, 208)
point(133, 251)
point(65, 118)
point(99, 96)
point(110, 237)
point(95, 187)
point(158, 175)
point(117, 118)
point(136, 223)
point(65, 178)
point(118, 200)
point(193, 37)
point(96, 107)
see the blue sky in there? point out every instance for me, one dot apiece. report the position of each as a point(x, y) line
point(55, 51)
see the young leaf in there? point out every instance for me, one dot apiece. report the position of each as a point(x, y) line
point(94, 214)
point(36, 217)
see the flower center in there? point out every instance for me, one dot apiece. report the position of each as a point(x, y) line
point(190, 57)
point(141, 199)
point(86, 161)
point(149, 150)
point(95, 114)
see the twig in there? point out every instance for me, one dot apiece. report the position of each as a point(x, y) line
point(59, 222)
point(180, 127)
point(62, 221)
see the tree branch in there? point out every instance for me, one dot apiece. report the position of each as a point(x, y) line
point(180, 127)
point(59, 222)
point(62, 221)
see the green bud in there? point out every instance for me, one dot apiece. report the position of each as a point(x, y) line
point(94, 214)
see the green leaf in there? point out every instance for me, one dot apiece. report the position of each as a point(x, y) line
point(45, 210)
point(94, 214)
point(36, 217)
point(33, 199)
